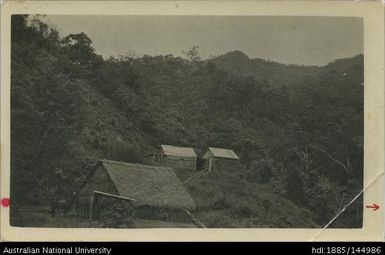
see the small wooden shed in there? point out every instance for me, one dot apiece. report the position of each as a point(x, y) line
point(148, 189)
point(176, 157)
point(221, 159)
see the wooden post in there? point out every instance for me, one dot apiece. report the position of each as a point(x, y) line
point(193, 219)
point(210, 164)
point(91, 206)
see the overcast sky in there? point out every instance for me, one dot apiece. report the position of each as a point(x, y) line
point(290, 40)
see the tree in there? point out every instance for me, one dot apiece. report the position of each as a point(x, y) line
point(192, 54)
point(261, 171)
point(79, 48)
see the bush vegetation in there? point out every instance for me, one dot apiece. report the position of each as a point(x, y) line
point(298, 130)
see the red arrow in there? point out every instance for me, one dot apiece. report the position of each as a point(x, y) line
point(375, 207)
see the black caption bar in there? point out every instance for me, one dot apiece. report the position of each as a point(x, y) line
point(182, 248)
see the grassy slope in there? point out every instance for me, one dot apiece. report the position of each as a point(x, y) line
point(226, 200)
point(103, 123)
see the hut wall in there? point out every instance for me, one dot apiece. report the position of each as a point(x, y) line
point(225, 164)
point(180, 162)
point(103, 204)
point(99, 181)
point(221, 164)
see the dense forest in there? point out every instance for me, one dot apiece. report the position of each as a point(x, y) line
point(298, 130)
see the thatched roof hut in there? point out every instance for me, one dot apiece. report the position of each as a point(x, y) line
point(147, 185)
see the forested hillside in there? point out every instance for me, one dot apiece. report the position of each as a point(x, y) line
point(297, 130)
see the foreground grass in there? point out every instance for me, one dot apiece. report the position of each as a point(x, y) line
point(34, 216)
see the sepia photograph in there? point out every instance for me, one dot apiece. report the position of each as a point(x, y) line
point(188, 121)
point(224, 122)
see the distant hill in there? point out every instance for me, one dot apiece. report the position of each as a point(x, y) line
point(277, 75)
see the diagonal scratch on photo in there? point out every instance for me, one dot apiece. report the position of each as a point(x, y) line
point(186, 121)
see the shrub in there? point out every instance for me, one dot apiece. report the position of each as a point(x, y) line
point(261, 171)
point(118, 216)
point(121, 151)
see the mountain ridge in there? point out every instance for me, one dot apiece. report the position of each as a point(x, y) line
point(238, 63)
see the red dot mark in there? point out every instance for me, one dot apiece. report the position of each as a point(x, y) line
point(5, 202)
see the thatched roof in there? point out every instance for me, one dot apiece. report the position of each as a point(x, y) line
point(149, 185)
point(223, 153)
point(178, 151)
